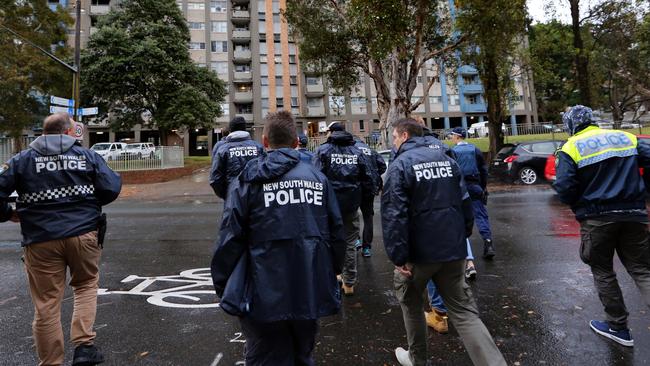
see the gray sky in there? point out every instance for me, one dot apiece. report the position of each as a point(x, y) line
point(538, 9)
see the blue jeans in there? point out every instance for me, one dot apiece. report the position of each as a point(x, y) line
point(434, 296)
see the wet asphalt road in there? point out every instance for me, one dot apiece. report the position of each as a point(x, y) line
point(536, 297)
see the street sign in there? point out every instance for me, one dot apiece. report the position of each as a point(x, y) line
point(57, 109)
point(88, 111)
point(61, 101)
point(78, 129)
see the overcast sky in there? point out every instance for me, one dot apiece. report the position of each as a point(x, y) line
point(538, 9)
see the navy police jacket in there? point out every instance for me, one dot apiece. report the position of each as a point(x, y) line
point(425, 208)
point(472, 164)
point(375, 161)
point(230, 157)
point(305, 155)
point(598, 175)
point(432, 141)
point(283, 212)
point(347, 169)
point(61, 187)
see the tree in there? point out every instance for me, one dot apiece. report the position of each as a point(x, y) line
point(581, 56)
point(552, 62)
point(390, 41)
point(27, 76)
point(495, 30)
point(138, 62)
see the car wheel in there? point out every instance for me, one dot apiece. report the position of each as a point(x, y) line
point(528, 176)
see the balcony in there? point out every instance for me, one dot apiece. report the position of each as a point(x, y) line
point(474, 88)
point(247, 116)
point(241, 35)
point(242, 55)
point(467, 70)
point(242, 15)
point(475, 108)
point(315, 90)
point(99, 9)
point(240, 1)
point(243, 97)
point(316, 111)
point(243, 76)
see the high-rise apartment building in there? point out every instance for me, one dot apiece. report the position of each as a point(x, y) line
point(247, 43)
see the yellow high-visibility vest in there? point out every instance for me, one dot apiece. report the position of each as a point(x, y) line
point(593, 145)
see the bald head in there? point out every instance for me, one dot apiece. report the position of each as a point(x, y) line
point(57, 124)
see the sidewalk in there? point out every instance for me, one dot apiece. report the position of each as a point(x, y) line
point(194, 187)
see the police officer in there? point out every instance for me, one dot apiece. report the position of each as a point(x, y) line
point(598, 175)
point(351, 176)
point(282, 217)
point(426, 216)
point(305, 155)
point(378, 167)
point(61, 189)
point(230, 157)
point(471, 162)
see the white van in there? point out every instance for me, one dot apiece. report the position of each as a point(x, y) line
point(109, 150)
point(480, 129)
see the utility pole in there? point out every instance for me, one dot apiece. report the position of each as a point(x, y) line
point(77, 58)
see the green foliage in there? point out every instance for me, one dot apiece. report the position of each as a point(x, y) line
point(138, 61)
point(27, 76)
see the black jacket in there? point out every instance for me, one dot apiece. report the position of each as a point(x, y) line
point(348, 170)
point(425, 208)
point(283, 212)
point(61, 188)
point(229, 158)
point(433, 142)
point(376, 162)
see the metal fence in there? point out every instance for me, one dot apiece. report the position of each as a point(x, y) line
point(164, 157)
point(8, 146)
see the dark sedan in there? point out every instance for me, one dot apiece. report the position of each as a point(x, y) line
point(523, 162)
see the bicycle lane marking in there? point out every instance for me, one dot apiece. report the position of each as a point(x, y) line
point(188, 284)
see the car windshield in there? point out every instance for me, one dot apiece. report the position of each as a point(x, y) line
point(132, 147)
point(100, 147)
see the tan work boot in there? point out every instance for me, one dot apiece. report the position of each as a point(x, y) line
point(348, 290)
point(437, 321)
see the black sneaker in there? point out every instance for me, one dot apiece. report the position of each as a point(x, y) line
point(488, 249)
point(87, 355)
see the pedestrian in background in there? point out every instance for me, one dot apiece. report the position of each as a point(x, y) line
point(305, 155)
point(351, 176)
point(427, 216)
point(61, 189)
point(598, 175)
point(230, 156)
point(282, 219)
point(474, 169)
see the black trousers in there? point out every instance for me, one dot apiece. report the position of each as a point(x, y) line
point(630, 241)
point(281, 343)
point(367, 211)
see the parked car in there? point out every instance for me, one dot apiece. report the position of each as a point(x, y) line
point(552, 127)
point(605, 125)
point(139, 151)
point(627, 125)
point(524, 162)
point(551, 161)
point(480, 129)
point(109, 150)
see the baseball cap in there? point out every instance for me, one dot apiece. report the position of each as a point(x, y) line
point(459, 131)
point(336, 126)
point(303, 139)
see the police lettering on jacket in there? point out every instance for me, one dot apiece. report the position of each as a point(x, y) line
point(595, 144)
point(344, 159)
point(293, 192)
point(59, 162)
point(433, 170)
point(242, 151)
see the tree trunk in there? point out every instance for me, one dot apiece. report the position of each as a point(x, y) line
point(495, 106)
point(581, 58)
point(17, 137)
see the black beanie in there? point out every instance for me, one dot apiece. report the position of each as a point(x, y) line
point(237, 124)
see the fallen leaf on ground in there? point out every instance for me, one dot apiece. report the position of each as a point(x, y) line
point(143, 354)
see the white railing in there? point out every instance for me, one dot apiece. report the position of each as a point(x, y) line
point(164, 157)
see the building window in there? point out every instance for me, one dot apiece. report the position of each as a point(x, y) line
point(196, 25)
point(419, 80)
point(279, 102)
point(217, 6)
point(245, 108)
point(473, 99)
point(453, 99)
point(358, 100)
point(292, 59)
point(219, 46)
point(264, 80)
point(220, 67)
point(314, 102)
point(275, 4)
point(196, 6)
point(361, 125)
point(265, 102)
point(242, 68)
point(278, 80)
point(435, 100)
point(197, 45)
point(261, 6)
point(293, 80)
point(294, 102)
point(312, 80)
point(219, 27)
point(225, 107)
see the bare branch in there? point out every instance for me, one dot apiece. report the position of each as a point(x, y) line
point(441, 51)
point(417, 104)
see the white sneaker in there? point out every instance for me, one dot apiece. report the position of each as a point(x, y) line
point(403, 357)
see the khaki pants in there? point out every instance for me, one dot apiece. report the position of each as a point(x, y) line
point(449, 278)
point(46, 264)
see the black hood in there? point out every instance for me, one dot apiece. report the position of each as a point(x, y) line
point(275, 164)
point(341, 138)
point(428, 132)
point(411, 143)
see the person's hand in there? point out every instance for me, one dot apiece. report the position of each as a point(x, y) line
point(14, 217)
point(404, 270)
